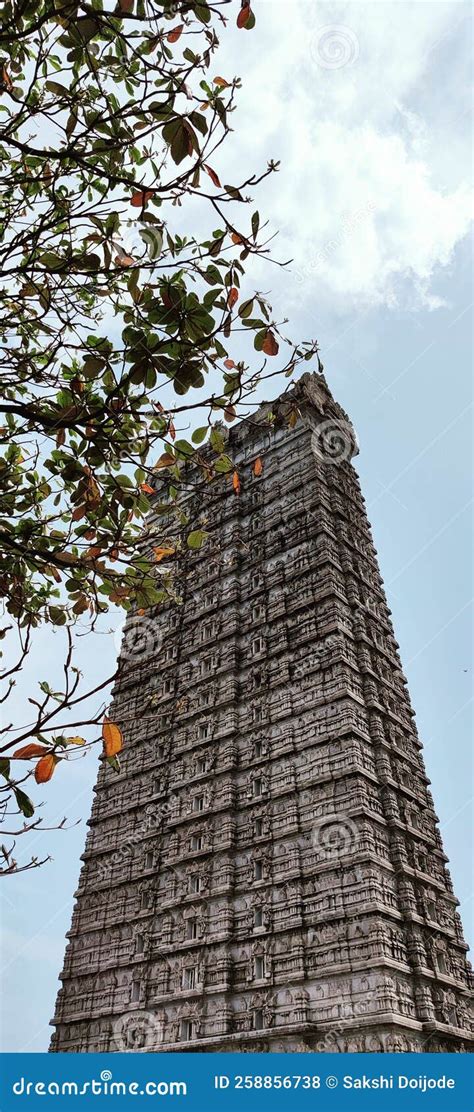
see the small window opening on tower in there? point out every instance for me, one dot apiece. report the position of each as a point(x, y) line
point(190, 977)
point(187, 1030)
point(259, 968)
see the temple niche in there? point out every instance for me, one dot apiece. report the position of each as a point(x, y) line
point(280, 882)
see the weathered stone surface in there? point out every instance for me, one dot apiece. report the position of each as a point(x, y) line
point(267, 873)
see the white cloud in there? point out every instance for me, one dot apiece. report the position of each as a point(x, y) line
point(368, 208)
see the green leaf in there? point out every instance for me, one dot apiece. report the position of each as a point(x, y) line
point(199, 435)
point(51, 260)
point(114, 763)
point(215, 248)
point(223, 464)
point(259, 340)
point(178, 136)
point(4, 767)
point(246, 309)
point(56, 88)
point(234, 192)
point(199, 121)
point(202, 12)
point(24, 803)
point(196, 538)
point(217, 440)
point(153, 238)
point(92, 365)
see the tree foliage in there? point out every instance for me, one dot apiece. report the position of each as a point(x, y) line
point(123, 302)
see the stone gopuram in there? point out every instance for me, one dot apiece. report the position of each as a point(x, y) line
point(266, 872)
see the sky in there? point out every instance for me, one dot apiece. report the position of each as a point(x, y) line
point(366, 106)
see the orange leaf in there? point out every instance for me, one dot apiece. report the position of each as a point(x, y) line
point(258, 467)
point(236, 482)
point(172, 430)
point(146, 488)
point(45, 768)
point(28, 751)
point(112, 738)
point(244, 15)
point(175, 33)
point(222, 83)
point(233, 296)
point(270, 346)
point(160, 553)
point(124, 260)
point(6, 79)
point(126, 5)
point(140, 199)
point(92, 494)
point(212, 175)
point(166, 460)
point(229, 363)
point(236, 238)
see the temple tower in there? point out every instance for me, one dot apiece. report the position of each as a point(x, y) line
point(266, 872)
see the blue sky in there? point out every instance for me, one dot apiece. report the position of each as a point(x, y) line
point(365, 105)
